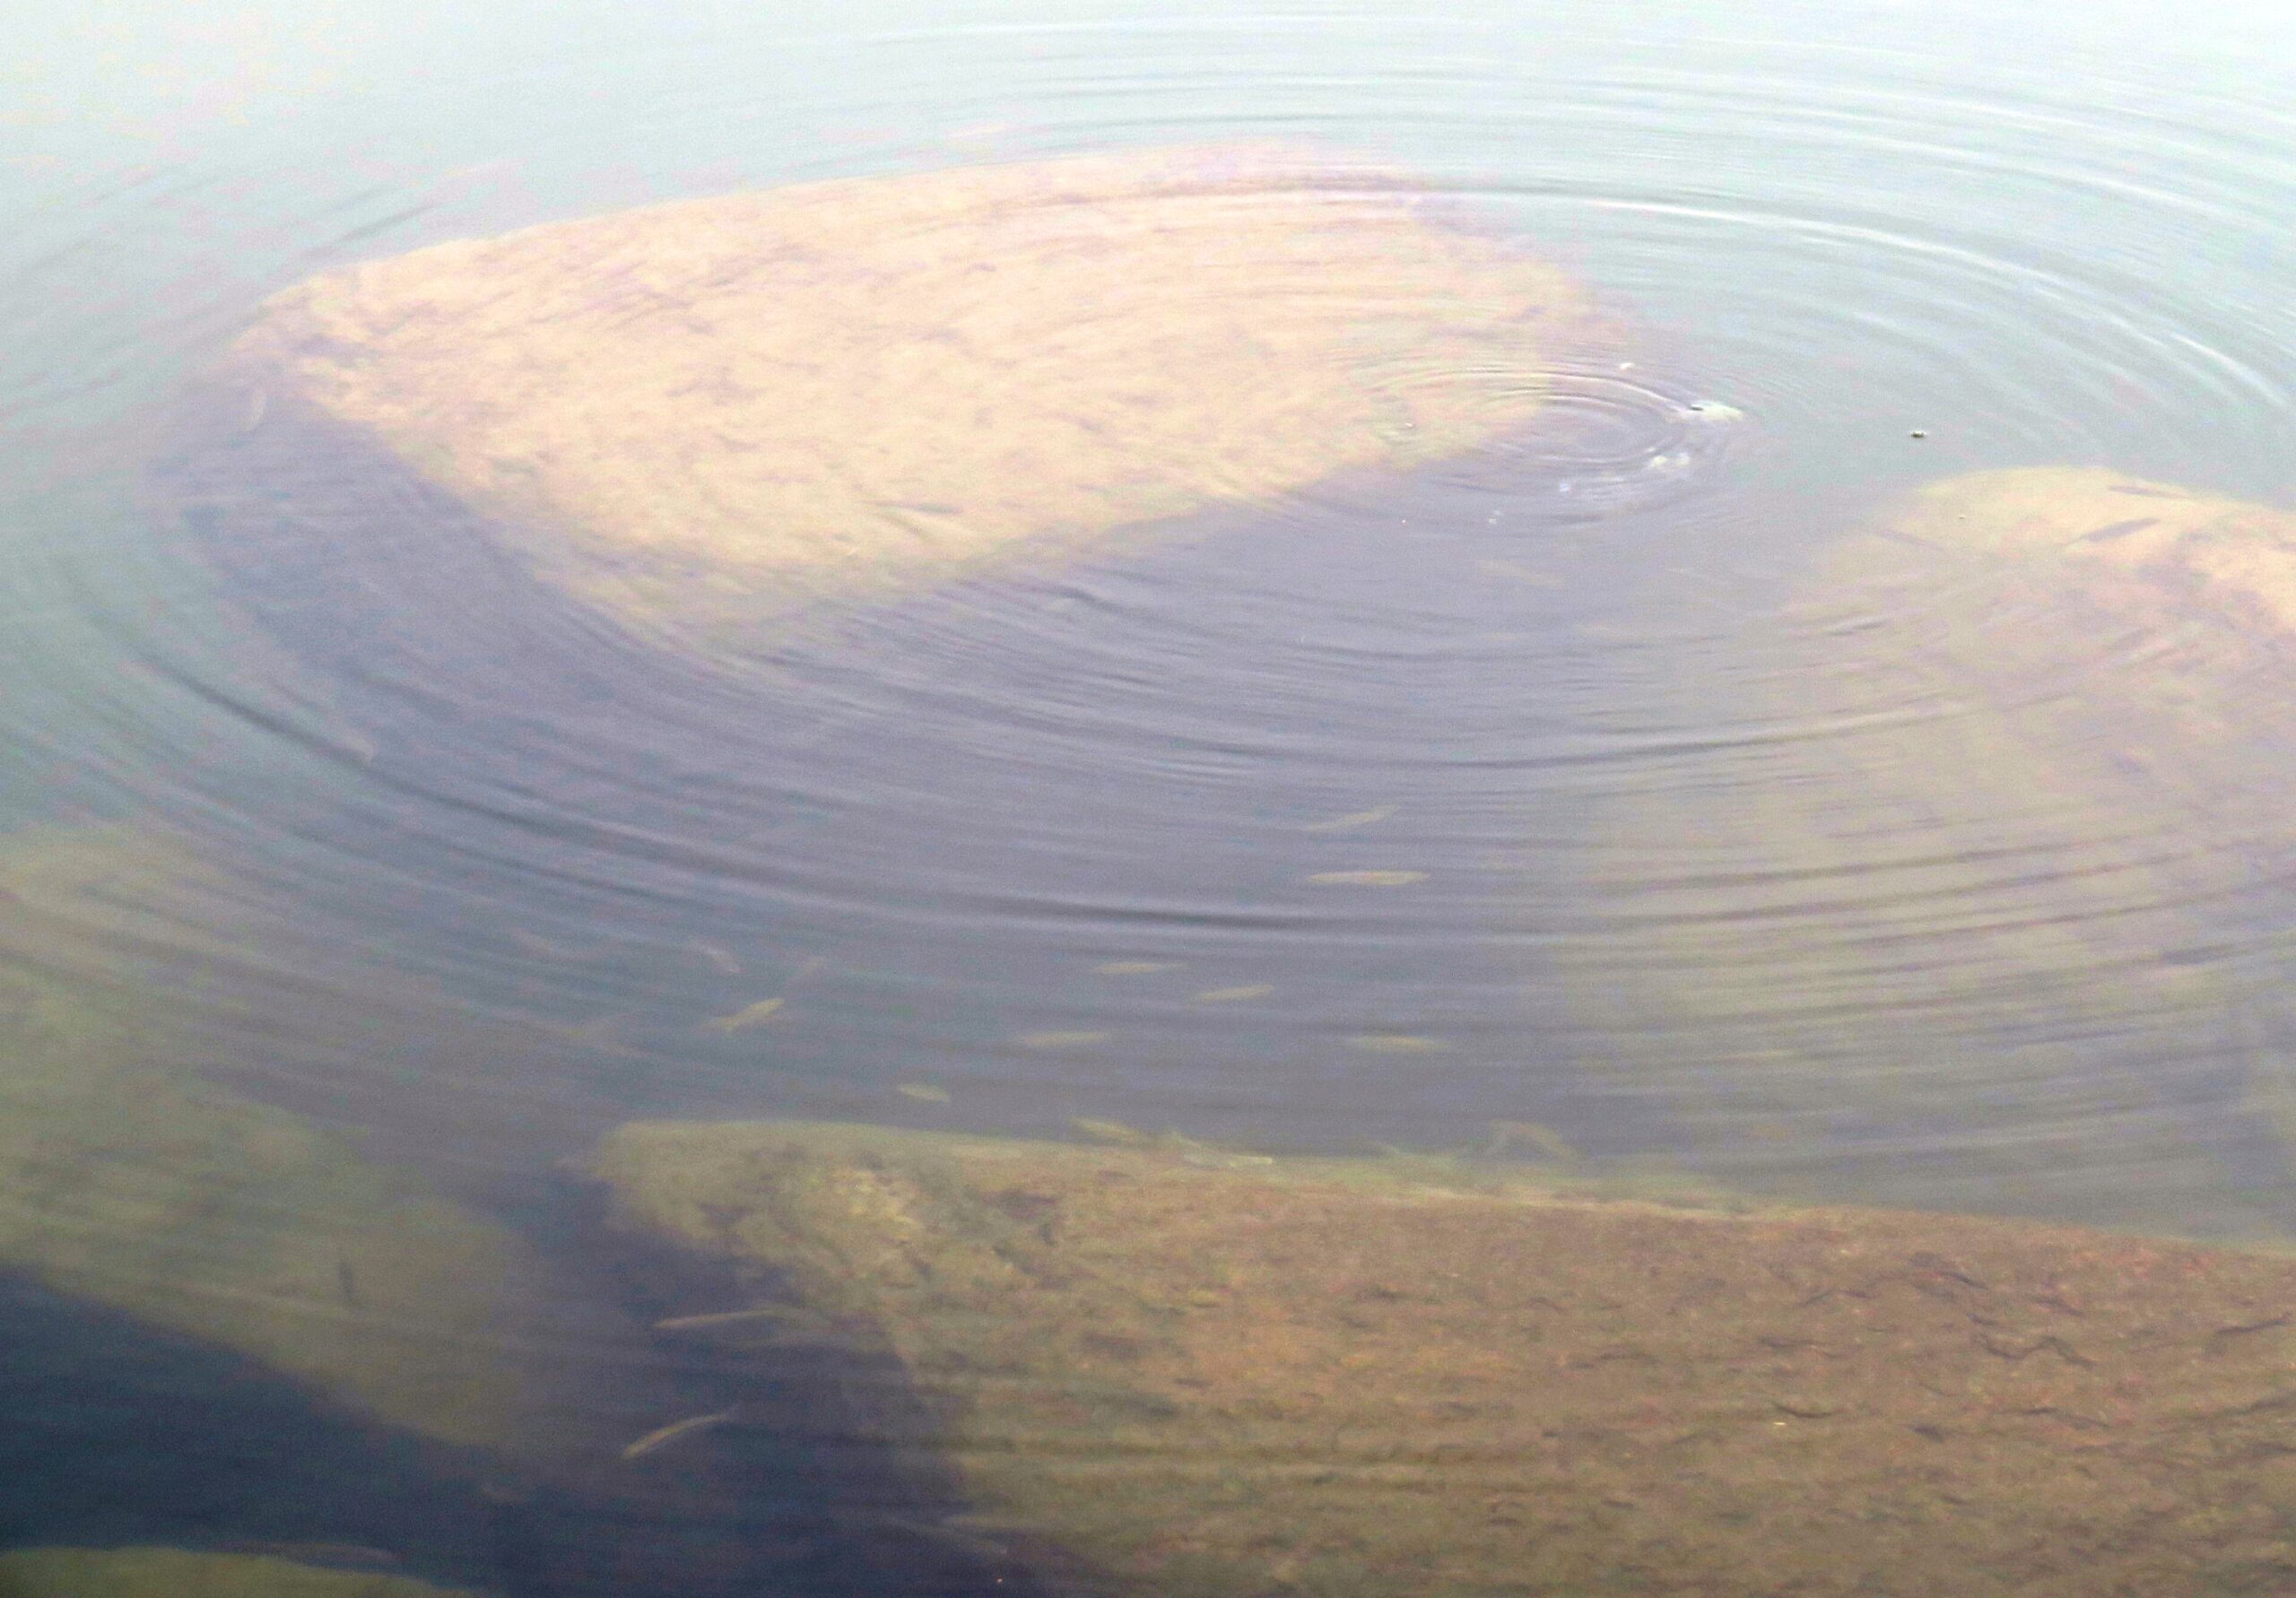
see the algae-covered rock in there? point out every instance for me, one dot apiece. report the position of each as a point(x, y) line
point(180, 1573)
point(129, 1180)
point(1326, 1377)
point(719, 402)
point(1975, 911)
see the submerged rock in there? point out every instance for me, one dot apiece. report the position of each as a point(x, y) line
point(128, 1179)
point(1155, 1376)
point(711, 407)
point(1977, 909)
point(2234, 556)
point(180, 1573)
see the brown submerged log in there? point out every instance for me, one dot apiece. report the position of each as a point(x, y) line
point(1328, 1377)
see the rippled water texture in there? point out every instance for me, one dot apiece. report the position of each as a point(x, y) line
point(1387, 720)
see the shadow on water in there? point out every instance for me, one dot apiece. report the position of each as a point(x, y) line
point(940, 814)
point(817, 1463)
point(121, 1435)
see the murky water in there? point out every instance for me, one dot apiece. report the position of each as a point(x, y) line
point(1610, 797)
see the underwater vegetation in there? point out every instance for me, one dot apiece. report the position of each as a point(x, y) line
point(1154, 1375)
point(128, 1179)
point(238, 1329)
point(177, 1573)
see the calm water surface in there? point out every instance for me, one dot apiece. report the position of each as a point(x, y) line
point(1674, 851)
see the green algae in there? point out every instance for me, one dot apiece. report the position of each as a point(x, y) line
point(128, 1179)
point(181, 1573)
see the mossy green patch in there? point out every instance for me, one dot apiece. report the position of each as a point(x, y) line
point(127, 1179)
point(180, 1573)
